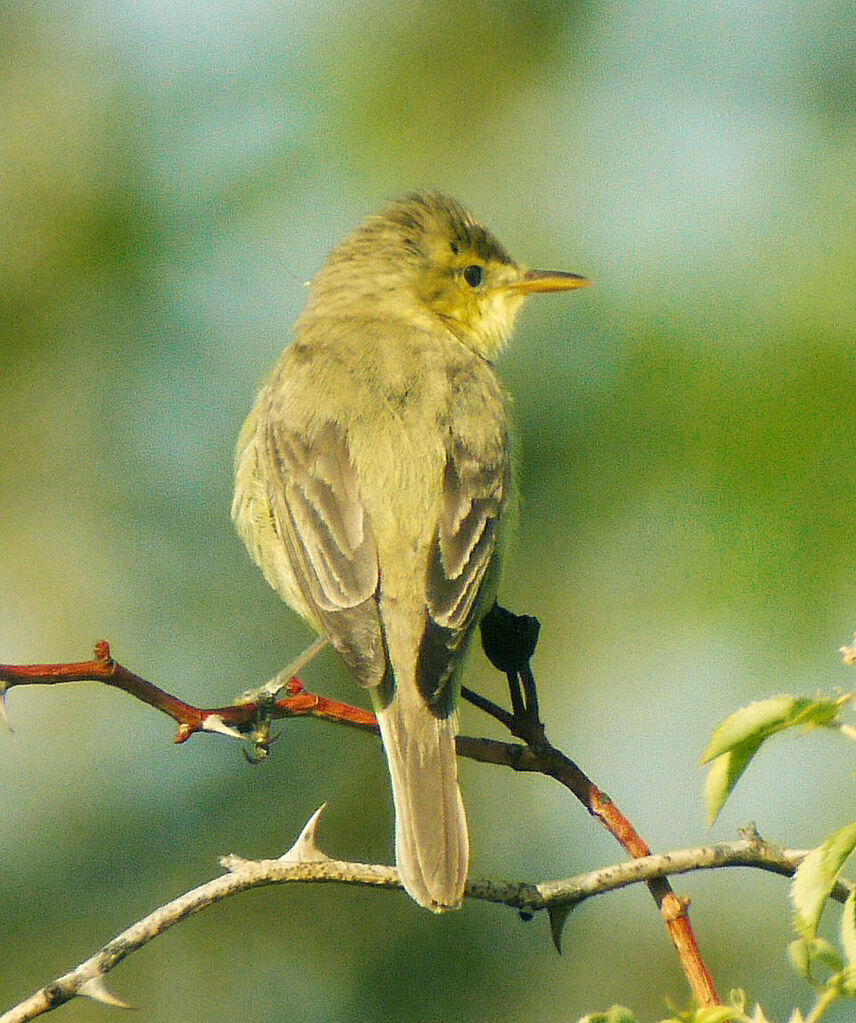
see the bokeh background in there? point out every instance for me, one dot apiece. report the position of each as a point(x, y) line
point(171, 174)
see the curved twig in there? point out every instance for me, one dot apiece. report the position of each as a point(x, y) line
point(306, 863)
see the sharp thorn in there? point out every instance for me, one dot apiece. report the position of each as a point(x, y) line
point(214, 723)
point(305, 849)
point(558, 916)
point(96, 989)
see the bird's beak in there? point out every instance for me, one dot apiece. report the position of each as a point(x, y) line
point(546, 280)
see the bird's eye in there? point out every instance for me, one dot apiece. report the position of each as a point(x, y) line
point(473, 275)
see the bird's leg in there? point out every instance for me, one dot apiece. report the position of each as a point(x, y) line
point(531, 694)
point(509, 642)
point(265, 697)
point(271, 689)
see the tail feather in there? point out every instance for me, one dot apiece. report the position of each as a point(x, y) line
point(431, 843)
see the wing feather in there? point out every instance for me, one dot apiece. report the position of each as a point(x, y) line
point(475, 493)
point(314, 497)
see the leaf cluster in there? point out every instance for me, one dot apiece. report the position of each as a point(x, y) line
point(830, 971)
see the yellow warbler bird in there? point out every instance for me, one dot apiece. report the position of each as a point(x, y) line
point(373, 477)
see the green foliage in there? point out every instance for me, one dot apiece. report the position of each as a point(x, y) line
point(848, 928)
point(736, 1011)
point(738, 738)
point(731, 748)
point(615, 1014)
point(830, 971)
point(816, 877)
point(713, 1014)
point(808, 955)
point(815, 959)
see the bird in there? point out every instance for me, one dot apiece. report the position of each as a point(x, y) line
point(374, 487)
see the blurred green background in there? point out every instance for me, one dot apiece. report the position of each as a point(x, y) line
point(171, 174)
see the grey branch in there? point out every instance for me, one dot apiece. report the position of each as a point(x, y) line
point(304, 862)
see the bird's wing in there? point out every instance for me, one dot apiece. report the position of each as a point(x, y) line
point(319, 517)
point(475, 492)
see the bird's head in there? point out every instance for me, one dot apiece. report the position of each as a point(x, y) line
point(426, 260)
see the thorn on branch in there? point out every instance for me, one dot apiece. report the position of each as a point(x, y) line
point(509, 641)
point(305, 849)
point(558, 915)
point(215, 723)
point(97, 990)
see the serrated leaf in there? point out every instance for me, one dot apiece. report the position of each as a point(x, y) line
point(816, 877)
point(848, 928)
point(847, 982)
point(758, 1015)
point(737, 739)
point(759, 720)
point(799, 957)
point(806, 954)
point(796, 1017)
point(723, 774)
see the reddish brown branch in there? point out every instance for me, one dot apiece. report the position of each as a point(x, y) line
point(546, 759)
point(240, 716)
point(673, 908)
point(537, 756)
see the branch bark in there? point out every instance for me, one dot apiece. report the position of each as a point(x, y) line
point(251, 717)
point(305, 863)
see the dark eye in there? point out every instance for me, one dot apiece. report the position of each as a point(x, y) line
point(473, 275)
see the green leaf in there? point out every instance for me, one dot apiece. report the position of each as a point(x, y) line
point(711, 1014)
point(847, 982)
point(714, 1014)
point(806, 954)
point(799, 956)
point(615, 1014)
point(825, 955)
point(723, 775)
point(758, 721)
point(737, 739)
point(848, 928)
point(816, 877)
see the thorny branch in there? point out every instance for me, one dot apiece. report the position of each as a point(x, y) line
point(509, 642)
point(304, 862)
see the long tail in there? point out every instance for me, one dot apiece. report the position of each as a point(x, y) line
point(431, 844)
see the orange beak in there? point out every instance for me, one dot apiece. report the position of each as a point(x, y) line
point(531, 281)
